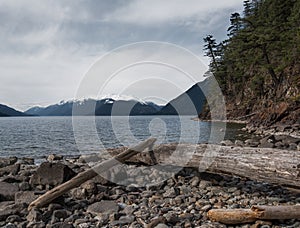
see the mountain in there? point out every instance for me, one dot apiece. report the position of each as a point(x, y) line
point(189, 103)
point(103, 107)
point(2, 114)
point(7, 111)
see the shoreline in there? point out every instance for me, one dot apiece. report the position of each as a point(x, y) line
point(180, 201)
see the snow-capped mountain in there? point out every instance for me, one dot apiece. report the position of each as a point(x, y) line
point(105, 106)
point(188, 103)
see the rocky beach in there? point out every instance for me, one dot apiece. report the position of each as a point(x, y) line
point(180, 201)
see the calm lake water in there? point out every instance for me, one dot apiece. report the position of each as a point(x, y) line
point(38, 137)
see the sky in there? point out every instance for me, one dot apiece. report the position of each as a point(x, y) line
point(49, 49)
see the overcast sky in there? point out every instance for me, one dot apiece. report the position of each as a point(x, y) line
point(48, 46)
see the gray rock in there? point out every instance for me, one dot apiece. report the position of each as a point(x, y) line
point(172, 218)
point(24, 186)
point(266, 145)
point(252, 142)
point(227, 143)
point(54, 206)
point(7, 209)
point(51, 174)
point(293, 146)
point(195, 181)
point(7, 161)
point(123, 220)
point(239, 143)
point(89, 187)
point(54, 157)
point(11, 169)
point(204, 184)
point(36, 225)
point(13, 218)
point(60, 225)
point(161, 225)
point(34, 215)
point(170, 193)
point(26, 161)
point(8, 191)
point(25, 197)
point(206, 207)
point(78, 193)
point(61, 214)
point(103, 207)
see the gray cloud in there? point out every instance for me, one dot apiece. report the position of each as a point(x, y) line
point(47, 46)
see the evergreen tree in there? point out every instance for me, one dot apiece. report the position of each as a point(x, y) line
point(261, 58)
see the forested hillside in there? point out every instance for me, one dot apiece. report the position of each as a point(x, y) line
point(258, 66)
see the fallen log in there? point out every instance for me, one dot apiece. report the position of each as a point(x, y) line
point(240, 216)
point(89, 174)
point(274, 166)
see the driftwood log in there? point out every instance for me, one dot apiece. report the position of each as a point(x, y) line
point(274, 166)
point(239, 216)
point(89, 174)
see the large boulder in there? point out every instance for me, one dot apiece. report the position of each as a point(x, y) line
point(52, 174)
point(7, 161)
point(103, 207)
point(7, 191)
point(9, 208)
point(11, 169)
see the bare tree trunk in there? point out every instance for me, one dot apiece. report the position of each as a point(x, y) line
point(280, 167)
point(239, 216)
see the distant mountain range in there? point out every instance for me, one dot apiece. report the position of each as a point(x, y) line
point(103, 107)
point(188, 103)
point(7, 111)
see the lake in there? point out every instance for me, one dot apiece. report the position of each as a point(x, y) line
point(38, 137)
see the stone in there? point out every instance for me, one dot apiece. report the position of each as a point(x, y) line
point(11, 169)
point(252, 142)
point(103, 207)
point(206, 207)
point(26, 161)
point(267, 142)
point(123, 220)
point(61, 214)
point(239, 143)
point(24, 186)
point(9, 209)
point(293, 146)
point(89, 187)
point(13, 218)
point(195, 181)
point(78, 193)
point(60, 225)
point(52, 174)
point(161, 225)
point(227, 143)
point(172, 218)
point(54, 206)
point(204, 184)
point(34, 215)
point(170, 193)
point(36, 225)
point(54, 157)
point(4, 162)
point(25, 197)
point(8, 191)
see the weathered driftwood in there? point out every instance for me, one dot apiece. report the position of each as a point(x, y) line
point(239, 216)
point(279, 167)
point(89, 174)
